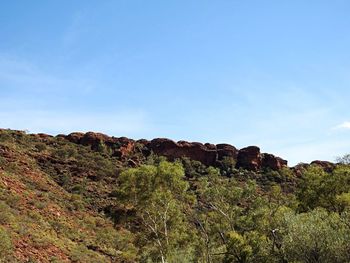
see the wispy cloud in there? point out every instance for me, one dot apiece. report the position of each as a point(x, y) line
point(77, 27)
point(345, 125)
point(22, 75)
point(34, 99)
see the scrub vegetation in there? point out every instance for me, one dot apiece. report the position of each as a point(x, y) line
point(64, 202)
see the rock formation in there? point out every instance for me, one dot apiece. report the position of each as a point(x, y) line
point(273, 162)
point(327, 166)
point(248, 158)
point(226, 150)
point(172, 150)
point(119, 147)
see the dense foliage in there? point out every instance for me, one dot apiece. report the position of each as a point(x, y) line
point(62, 202)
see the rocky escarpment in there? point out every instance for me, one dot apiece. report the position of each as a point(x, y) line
point(119, 147)
point(249, 158)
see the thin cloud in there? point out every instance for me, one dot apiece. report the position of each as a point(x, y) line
point(77, 27)
point(345, 125)
point(33, 99)
point(19, 74)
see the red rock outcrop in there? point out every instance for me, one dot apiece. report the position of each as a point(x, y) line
point(74, 137)
point(126, 146)
point(210, 146)
point(120, 147)
point(95, 139)
point(327, 166)
point(143, 142)
point(299, 169)
point(273, 162)
point(226, 150)
point(42, 137)
point(249, 158)
point(172, 150)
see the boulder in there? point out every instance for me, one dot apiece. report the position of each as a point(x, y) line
point(273, 162)
point(172, 150)
point(143, 141)
point(299, 169)
point(126, 146)
point(249, 158)
point(74, 137)
point(119, 147)
point(226, 150)
point(210, 146)
point(327, 166)
point(93, 139)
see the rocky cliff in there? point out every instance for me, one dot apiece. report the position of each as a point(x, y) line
point(249, 158)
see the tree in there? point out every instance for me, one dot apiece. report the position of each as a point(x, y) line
point(158, 193)
point(320, 189)
point(315, 237)
point(345, 159)
point(238, 249)
point(232, 220)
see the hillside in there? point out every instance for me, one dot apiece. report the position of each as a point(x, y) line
point(94, 198)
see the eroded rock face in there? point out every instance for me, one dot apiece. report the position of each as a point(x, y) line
point(119, 147)
point(226, 150)
point(126, 146)
point(74, 137)
point(273, 162)
point(210, 146)
point(95, 139)
point(249, 158)
point(42, 137)
point(172, 150)
point(327, 166)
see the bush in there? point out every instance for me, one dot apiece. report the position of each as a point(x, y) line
point(5, 136)
point(76, 203)
point(6, 216)
point(5, 245)
point(316, 236)
point(40, 146)
point(65, 152)
point(41, 241)
point(81, 253)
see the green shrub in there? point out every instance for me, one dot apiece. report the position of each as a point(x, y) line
point(65, 152)
point(5, 245)
point(82, 254)
point(6, 216)
point(228, 166)
point(40, 146)
point(79, 188)
point(41, 240)
point(12, 200)
point(5, 136)
point(40, 205)
point(3, 161)
point(11, 167)
point(76, 203)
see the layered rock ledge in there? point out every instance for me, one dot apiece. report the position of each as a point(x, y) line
point(249, 158)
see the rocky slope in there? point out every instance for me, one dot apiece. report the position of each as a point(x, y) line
point(59, 198)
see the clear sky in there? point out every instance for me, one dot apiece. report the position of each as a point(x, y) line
point(270, 73)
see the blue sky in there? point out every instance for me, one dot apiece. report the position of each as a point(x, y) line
point(270, 73)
